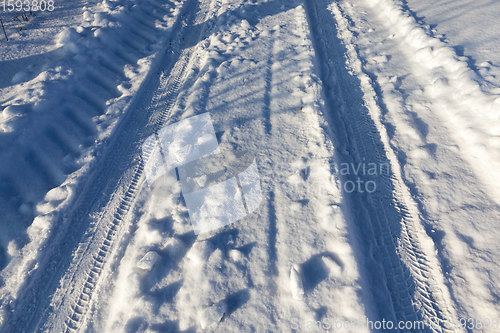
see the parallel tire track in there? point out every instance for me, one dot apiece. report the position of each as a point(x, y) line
point(168, 93)
point(385, 224)
point(171, 87)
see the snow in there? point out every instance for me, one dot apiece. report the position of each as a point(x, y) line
point(177, 144)
point(174, 248)
point(212, 315)
point(243, 165)
point(469, 27)
point(148, 261)
point(296, 285)
point(440, 162)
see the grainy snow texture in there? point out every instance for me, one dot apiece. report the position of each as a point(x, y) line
point(250, 166)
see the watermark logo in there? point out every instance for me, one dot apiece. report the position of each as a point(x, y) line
point(361, 177)
point(219, 187)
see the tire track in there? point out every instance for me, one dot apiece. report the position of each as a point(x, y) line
point(170, 87)
point(81, 305)
point(268, 127)
point(169, 90)
point(99, 239)
point(385, 223)
point(48, 153)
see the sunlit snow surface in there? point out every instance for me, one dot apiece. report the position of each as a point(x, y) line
point(180, 165)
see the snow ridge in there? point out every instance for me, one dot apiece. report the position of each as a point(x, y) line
point(93, 109)
point(469, 110)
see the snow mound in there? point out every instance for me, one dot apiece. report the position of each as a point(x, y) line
point(68, 40)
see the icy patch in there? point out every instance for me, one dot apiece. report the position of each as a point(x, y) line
point(148, 261)
point(220, 189)
point(212, 315)
point(250, 184)
point(296, 285)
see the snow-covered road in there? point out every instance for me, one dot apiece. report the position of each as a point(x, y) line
point(376, 150)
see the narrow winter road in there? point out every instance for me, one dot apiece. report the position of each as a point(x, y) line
point(277, 117)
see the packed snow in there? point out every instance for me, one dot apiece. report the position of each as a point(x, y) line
point(249, 166)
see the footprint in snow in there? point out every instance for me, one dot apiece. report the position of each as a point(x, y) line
point(304, 173)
